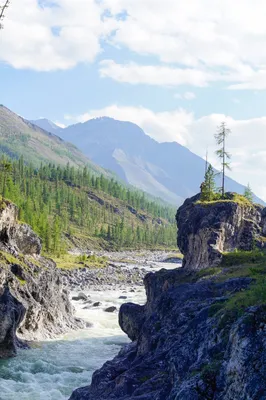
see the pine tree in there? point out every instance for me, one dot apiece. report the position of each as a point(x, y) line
point(220, 137)
point(248, 193)
point(208, 187)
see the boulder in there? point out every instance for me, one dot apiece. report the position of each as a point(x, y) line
point(80, 296)
point(205, 231)
point(110, 309)
point(131, 319)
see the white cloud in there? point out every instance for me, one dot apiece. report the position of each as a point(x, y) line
point(228, 37)
point(225, 43)
point(50, 38)
point(185, 96)
point(154, 74)
point(246, 142)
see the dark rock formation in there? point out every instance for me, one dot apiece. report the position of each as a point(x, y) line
point(193, 340)
point(205, 231)
point(187, 346)
point(12, 313)
point(33, 302)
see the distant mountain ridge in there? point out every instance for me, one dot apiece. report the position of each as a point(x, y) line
point(47, 125)
point(166, 170)
point(19, 137)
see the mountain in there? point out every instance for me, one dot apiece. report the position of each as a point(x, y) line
point(47, 125)
point(166, 170)
point(19, 137)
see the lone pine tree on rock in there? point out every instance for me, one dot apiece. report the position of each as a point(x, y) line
point(208, 187)
point(248, 193)
point(220, 137)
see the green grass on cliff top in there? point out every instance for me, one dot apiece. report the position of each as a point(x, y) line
point(234, 198)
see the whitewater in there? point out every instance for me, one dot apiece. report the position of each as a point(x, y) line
point(51, 370)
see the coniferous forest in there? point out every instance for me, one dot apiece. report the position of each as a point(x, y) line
point(67, 206)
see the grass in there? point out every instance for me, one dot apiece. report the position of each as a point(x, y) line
point(233, 198)
point(239, 257)
point(69, 261)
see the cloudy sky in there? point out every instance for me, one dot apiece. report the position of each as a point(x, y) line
point(176, 68)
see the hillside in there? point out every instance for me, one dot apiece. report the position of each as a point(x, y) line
point(19, 137)
point(71, 208)
point(166, 170)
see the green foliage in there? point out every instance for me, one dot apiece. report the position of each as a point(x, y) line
point(228, 198)
point(62, 203)
point(239, 257)
point(208, 187)
point(68, 261)
point(248, 193)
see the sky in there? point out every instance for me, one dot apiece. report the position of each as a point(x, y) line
point(176, 68)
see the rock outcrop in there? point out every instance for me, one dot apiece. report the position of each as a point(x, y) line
point(187, 345)
point(16, 237)
point(205, 231)
point(202, 334)
point(33, 301)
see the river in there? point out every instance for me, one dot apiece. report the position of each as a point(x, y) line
point(51, 370)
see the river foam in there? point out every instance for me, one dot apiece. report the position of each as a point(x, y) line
point(52, 370)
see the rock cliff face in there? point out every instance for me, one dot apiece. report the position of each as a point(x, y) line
point(33, 301)
point(205, 231)
point(185, 348)
point(202, 334)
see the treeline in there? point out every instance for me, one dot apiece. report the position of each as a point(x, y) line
point(54, 201)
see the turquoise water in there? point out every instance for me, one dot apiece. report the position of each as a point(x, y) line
point(52, 370)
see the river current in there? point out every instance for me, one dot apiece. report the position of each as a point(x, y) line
point(51, 370)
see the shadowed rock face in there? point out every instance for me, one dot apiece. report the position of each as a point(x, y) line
point(12, 313)
point(187, 345)
point(33, 301)
point(205, 231)
point(182, 350)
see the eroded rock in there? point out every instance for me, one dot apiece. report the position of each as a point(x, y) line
point(205, 231)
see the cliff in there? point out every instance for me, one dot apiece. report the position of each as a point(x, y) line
point(33, 303)
point(207, 230)
point(201, 334)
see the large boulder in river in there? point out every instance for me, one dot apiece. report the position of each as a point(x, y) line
point(206, 230)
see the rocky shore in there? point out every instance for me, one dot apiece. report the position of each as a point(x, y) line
point(34, 304)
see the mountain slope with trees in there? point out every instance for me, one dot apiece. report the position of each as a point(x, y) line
point(71, 208)
point(19, 137)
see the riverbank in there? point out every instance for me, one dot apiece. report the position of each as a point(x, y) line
point(51, 370)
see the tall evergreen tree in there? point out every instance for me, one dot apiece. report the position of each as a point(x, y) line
point(208, 187)
point(224, 156)
point(248, 193)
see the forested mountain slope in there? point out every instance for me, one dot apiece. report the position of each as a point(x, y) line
point(71, 208)
point(19, 137)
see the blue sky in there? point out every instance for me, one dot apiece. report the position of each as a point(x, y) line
point(169, 66)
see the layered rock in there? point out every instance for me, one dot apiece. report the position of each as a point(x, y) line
point(33, 301)
point(205, 231)
point(186, 346)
